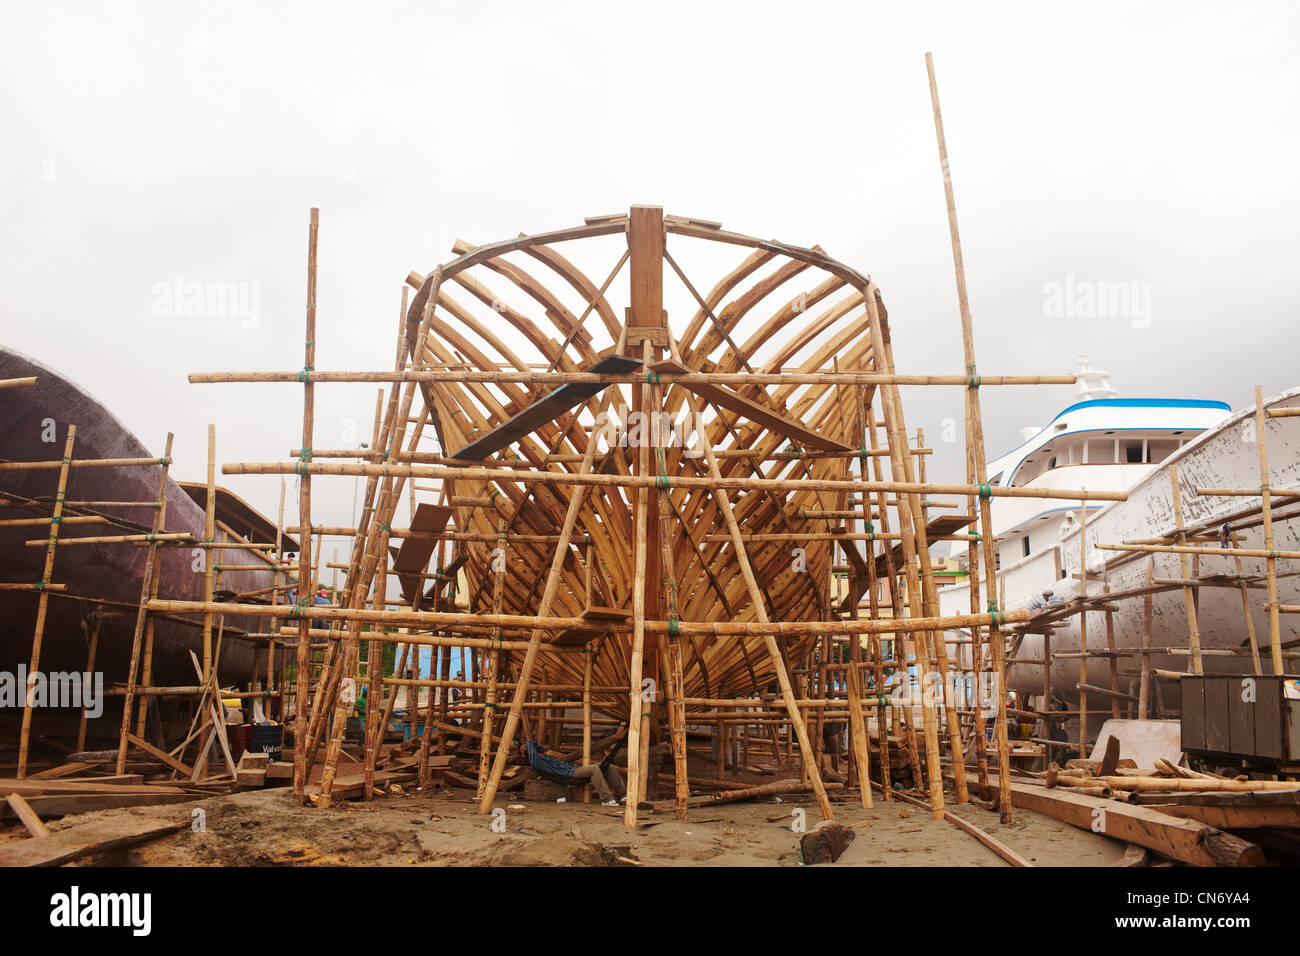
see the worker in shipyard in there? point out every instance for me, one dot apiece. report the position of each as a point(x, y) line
point(603, 777)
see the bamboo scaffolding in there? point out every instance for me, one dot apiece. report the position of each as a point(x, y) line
point(42, 607)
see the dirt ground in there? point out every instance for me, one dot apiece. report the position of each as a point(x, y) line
point(441, 828)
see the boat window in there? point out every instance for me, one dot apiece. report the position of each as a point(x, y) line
point(1101, 452)
point(1160, 450)
point(1026, 546)
point(1133, 452)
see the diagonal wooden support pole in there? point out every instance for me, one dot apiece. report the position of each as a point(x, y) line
point(773, 650)
point(534, 644)
point(43, 604)
point(146, 586)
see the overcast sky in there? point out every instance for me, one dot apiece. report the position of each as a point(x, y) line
point(1152, 144)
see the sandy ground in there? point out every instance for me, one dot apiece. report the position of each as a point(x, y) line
point(441, 828)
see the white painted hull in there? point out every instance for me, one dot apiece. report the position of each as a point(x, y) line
point(1223, 457)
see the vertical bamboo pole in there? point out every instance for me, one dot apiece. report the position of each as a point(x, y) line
point(1189, 593)
point(899, 469)
point(90, 669)
point(301, 771)
point(1083, 631)
point(1266, 498)
point(146, 674)
point(975, 436)
point(494, 662)
point(638, 712)
point(146, 585)
point(586, 703)
point(44, 602)
point(374, 738)
point(1144, 679)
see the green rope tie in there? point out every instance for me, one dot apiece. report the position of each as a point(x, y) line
point(56, 520)
point(165, 460)
point(986, 491)
point(304, 459)
point(151, 537)
point(492, 499)
point(998, 617)
point(674, 625)
point(869, 528)
point(487, 705)
point(305, 375)
point(61, 497)
point(385, 526)
point(67, 459)
point(39, 586)
point(972, 380)
point(652, 378)
point(663, 482)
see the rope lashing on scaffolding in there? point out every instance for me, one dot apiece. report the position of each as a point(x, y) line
point(305, 375)
point(652, 378)
point(492, 500)
point(299, 608)
point(663, 482)
point(986, 491)
point(999, 618)
point(674, 625)
point(794, 451)
point(304, 459)
point(972, 380)
point(57, 519)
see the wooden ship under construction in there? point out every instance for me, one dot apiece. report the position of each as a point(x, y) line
point(647, 484)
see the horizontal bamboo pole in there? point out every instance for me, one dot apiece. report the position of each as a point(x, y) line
point(17, 382)
point(478, 473)
point(1177, 784)
point(1282, 412)
point(28, 522)
point(38, 586)
point(110, 539)
point(81, 463)
point(1248, 492)
point(112, 504)
point(713, 629)
point(1192, 549)
point(668, 378)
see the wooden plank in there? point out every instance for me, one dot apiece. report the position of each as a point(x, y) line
point(546, 409)
point(1187, 840)
point(29, 817)
point(724, 397)
point(81, 841)
point(58, 805)
point(1216, 715)
point(413, 555)
point(67, 770)
point(160, 754)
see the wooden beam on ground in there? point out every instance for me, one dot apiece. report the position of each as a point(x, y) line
point(86, 839)
point(1186, 840)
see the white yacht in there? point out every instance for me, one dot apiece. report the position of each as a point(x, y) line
point(1105, 442)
